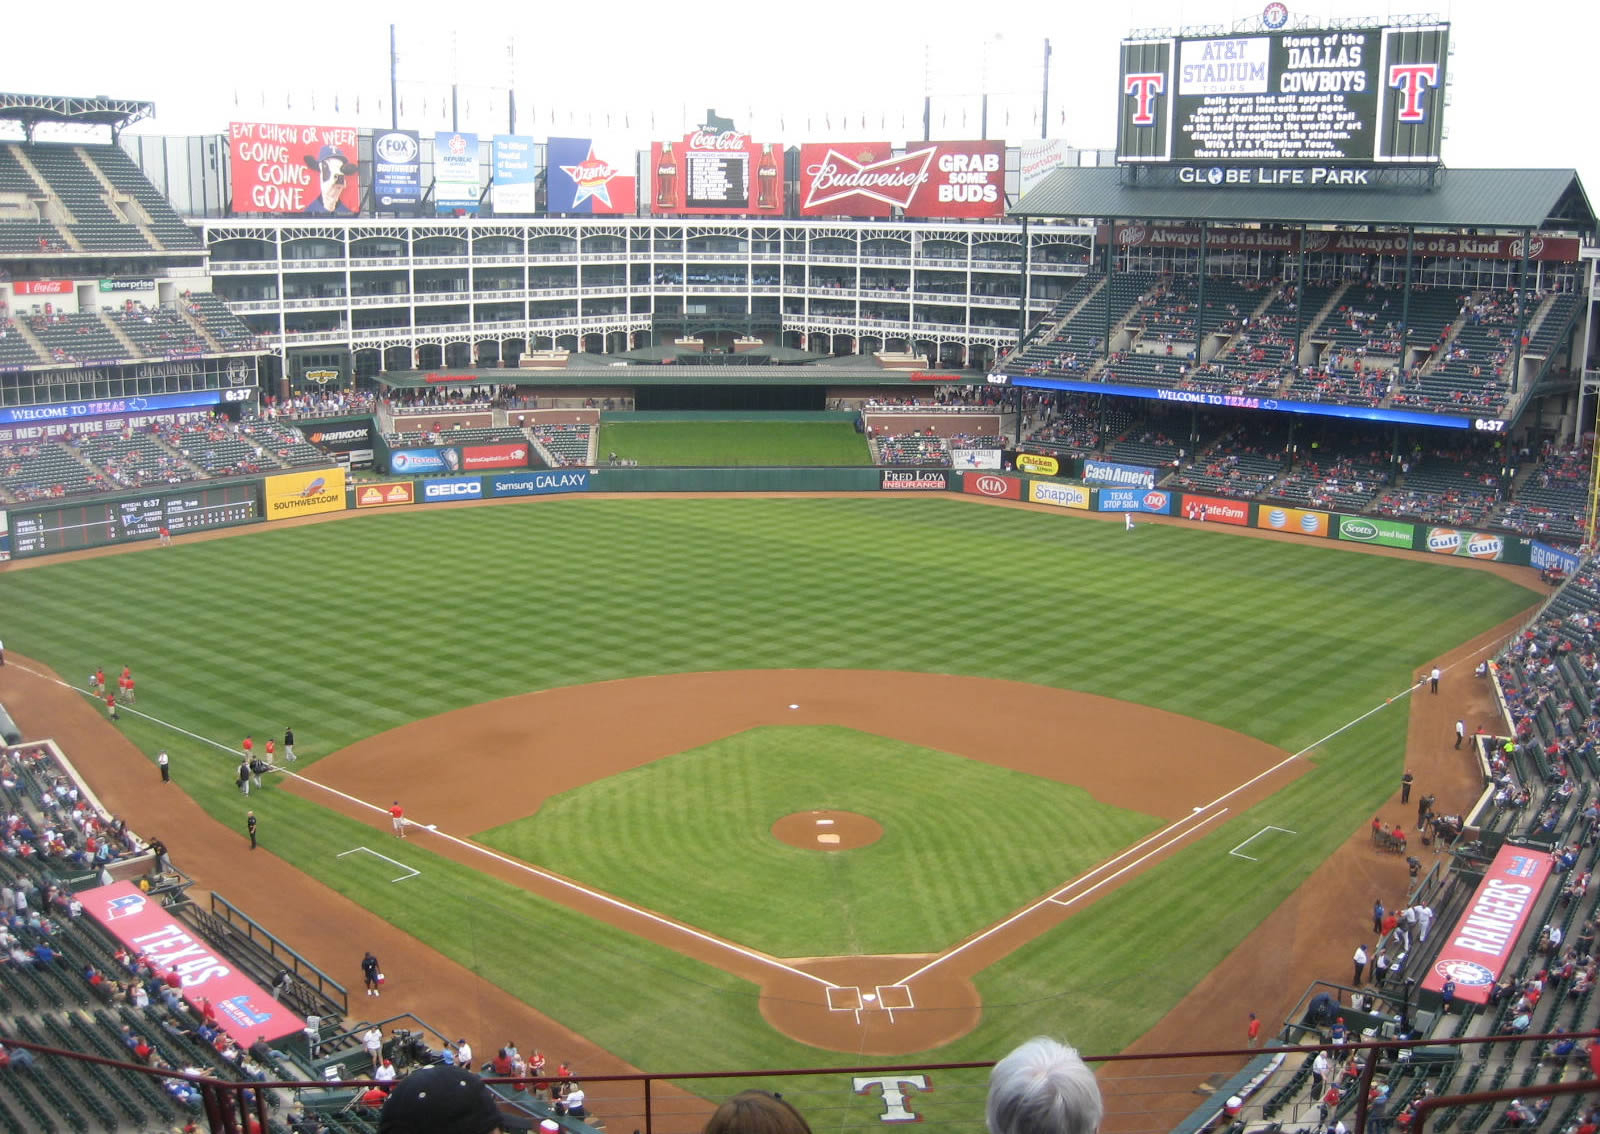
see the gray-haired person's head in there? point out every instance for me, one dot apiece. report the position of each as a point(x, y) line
point(1043, 1087)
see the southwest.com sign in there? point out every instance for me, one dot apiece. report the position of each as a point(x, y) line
point(304, 494)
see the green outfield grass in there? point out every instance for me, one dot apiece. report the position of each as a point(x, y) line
point(350, 628)
point(972, 842)
point(731, 443)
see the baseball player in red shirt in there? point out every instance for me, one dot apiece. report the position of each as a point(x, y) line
point(397, 814)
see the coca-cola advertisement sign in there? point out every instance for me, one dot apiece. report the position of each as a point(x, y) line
point(42, 287)
point(931, 179)
point(716, 172)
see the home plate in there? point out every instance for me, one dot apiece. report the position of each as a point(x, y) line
point(829, 840)
point(868, 997)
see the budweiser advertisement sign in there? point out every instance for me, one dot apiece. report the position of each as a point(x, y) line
point(716, 172)
point(931, 179)
point(1558, 248)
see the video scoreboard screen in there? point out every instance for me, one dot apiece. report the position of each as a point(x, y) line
point(40, 531)
point(1351, 96)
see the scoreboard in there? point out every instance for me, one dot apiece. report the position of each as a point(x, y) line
point(40, 531)
point(1370, 95)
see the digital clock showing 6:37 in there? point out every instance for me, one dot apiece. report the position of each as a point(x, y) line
point(69, 527)
point(1488, 425)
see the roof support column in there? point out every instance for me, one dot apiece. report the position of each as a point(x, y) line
point(1299, 296)
point(1200, 315)
point(1022, 318)
point(1522, 312)
point(1405, 297)
point(1111, 267)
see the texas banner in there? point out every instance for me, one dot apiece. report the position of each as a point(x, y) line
point(594, 176)
point(151, 933)
point(931, 179)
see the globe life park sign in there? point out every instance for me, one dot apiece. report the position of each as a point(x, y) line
point(1275, 177)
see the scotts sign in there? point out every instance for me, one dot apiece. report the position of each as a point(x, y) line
point(990, 484)
point(1558, 248)
point(937, 179)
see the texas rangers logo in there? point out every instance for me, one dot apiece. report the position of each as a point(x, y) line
point(1470, 974)
point(1274, 16)
point(129, 905)
point(1144, 87)
point(592, 176)
point(1413, 80)
point(890, 181)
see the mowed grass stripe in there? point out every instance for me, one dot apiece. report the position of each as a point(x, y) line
point(582, 590)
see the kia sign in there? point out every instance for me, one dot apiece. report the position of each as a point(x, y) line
point(915, 480)
point(539, 483)
point(396, 167)
point(453, 488)
point(309, 170)
point(1152, 500)
point(931, 179)
point(150, 932)
point(991, 484)
point(1479, 944)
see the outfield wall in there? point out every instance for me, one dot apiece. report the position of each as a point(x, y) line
point(304, 492)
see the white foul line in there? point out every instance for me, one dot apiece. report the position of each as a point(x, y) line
point(357, 850)
point(617, 903)
point(1254, 837)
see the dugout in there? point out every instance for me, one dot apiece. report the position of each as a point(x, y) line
point(9, 732)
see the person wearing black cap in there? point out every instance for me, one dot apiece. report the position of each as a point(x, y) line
point(446, 1100)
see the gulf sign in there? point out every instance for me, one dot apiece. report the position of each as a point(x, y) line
point(1479, 944)
point(1216, 510)
point(1059, 495)
point(386, 495)
point(309, 170)
point(149, 932)
point(1039, 464)
point(931, 179)
point(991, 484)
point(1152, 500)
point(1298, 520)
point(304, 494)
point(1475, 545)
point(511, 456)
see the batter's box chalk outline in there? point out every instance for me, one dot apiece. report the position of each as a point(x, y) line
point(409, 871)
point(895, 997)
point(1251, 858)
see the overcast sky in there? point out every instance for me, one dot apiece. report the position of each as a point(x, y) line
point(797, 70)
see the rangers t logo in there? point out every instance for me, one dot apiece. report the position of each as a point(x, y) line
point(1412, 79)
point(1144, 88)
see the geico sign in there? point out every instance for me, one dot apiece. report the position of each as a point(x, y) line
point(445, 491)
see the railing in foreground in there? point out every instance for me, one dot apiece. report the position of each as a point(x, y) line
point(1437, 1085)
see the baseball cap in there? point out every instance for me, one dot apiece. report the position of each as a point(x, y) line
point(446, 1100)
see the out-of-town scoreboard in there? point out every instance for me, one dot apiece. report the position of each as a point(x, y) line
point(1312, 97)
point(39, 531)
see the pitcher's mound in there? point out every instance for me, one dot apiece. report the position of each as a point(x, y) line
point(827, 830)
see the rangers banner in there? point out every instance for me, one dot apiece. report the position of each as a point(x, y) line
point(516, 175)
point(455, 173)
point(310, 170)
point(590, 176)
point(396, 167)
point(1480, 943)
point(148, 931)
point(931, 179)
point(716, 171)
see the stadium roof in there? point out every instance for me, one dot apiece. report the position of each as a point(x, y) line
point(859, 375)
point(98, 110)
point(1458, 198)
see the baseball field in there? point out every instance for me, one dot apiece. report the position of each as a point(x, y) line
point(635, 698)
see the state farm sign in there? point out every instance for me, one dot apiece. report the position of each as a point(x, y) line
point(932, 179)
